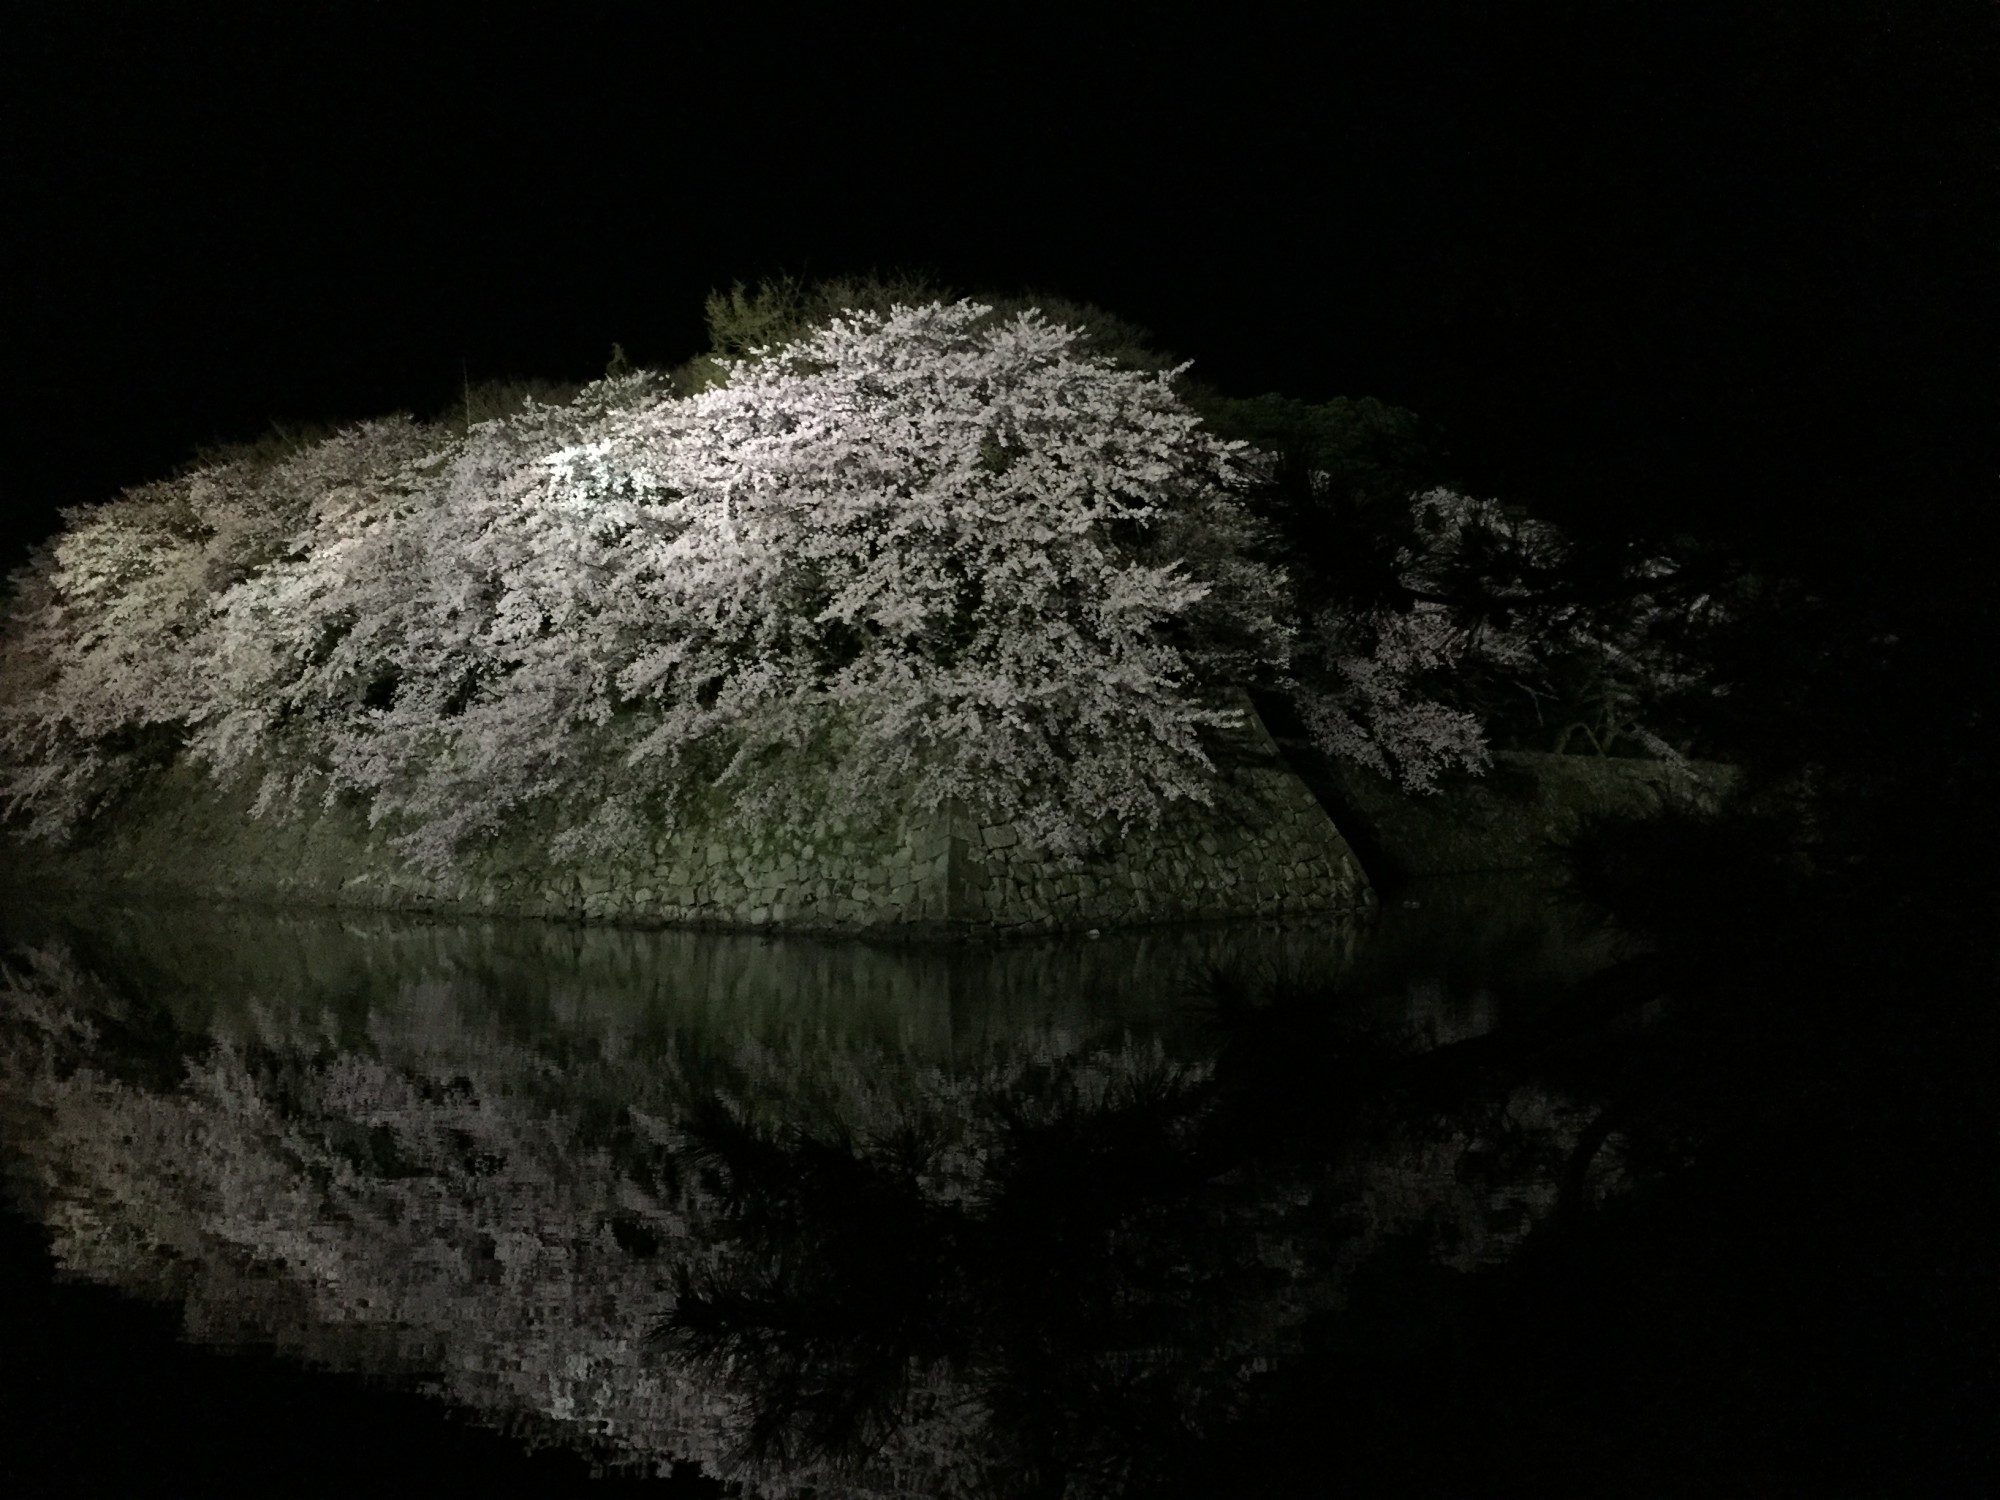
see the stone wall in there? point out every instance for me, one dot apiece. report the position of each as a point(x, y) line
point(1266, 849)
point(1516, 817)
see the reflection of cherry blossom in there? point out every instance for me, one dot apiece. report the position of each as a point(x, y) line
point(439, 1202)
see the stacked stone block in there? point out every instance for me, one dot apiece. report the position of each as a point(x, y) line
point(1265, 849)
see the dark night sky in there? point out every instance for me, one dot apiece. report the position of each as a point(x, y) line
point(1724, 267)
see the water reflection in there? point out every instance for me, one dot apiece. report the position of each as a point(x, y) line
point(496, 1157)
point(1458, 951)
point(206, 965)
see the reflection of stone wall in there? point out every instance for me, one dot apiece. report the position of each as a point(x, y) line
point(302, 974)
point(1266, 849)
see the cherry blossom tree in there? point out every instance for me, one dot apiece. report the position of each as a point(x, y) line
point(944, 561)
point(901, 555)
point(110, 650)
point(1491, 616)
point(909, 558)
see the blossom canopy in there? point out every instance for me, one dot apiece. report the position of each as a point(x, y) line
point(905, 559)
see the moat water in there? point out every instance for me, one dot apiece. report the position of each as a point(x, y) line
point(455, 1155)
